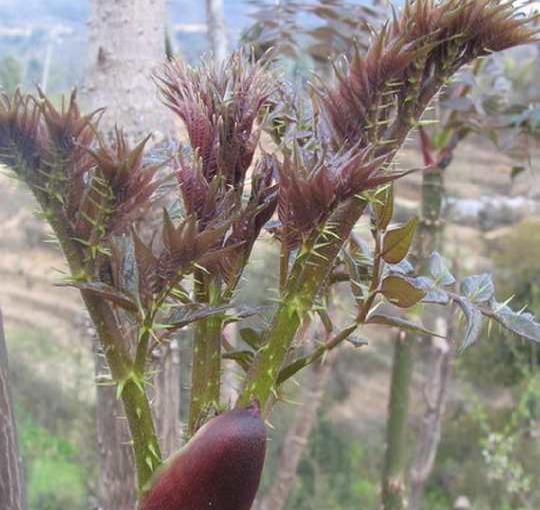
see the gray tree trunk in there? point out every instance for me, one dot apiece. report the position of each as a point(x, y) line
point(217, 31)
point(298, 435)
point(166, 399)
point(126, 42)
point(12, 488)
point(436, 390)
point(117, 486)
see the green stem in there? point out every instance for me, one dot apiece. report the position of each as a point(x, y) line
point(427, 240)
point(430, 228)
point(141, 426)
point(115, 348)
point(393, 486)
point(307, 277)
point(206, 367)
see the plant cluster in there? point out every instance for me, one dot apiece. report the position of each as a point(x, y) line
point(331, 165)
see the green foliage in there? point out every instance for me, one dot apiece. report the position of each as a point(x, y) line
point(56, 421)
point(335, 472)
point(49, 458)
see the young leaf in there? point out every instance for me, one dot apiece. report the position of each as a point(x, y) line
point(357, 341)
point(478, 288)
point(243, 312)
point(290, 370)
point(439, 270)
point(384, 208)
point(397, 241)
point(357, 275)
point(181, 316)
point(401, 292)
point(434, 294)
point(108, 293)
point(400, 322)
point(325, 319)
point(523, 324)
point(243, 358)
point(252, 337)
point(474, 320)
point(403, 267)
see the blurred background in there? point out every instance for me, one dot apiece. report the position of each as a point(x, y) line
point(326, 451)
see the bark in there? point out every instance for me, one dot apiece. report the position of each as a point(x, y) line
point(229, 378)
point(116, 484)
point(393, 484)
point(298, 436)
point(436, 391)
point(166, 402)
point(428, 239)
point(126, 42)
point(217, 32)
point(12, 488)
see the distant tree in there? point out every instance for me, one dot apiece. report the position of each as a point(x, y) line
point(12, 487)
point(10, 73)
point(126, 42)
point(217, 31)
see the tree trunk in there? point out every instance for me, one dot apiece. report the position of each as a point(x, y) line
point(436, 390)
point(117, 487)
point(166, 402)
point(428, 239)
point(298, 435)
point(126, 42)
point(217, 33)
point(393, 484)
point(12, 488)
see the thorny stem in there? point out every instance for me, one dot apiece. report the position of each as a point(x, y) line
point(340, 337)
point(115, 348)
point(206, 368)
point(283, 266)
point(393, 486)
point(311, 272)
point(308, 275)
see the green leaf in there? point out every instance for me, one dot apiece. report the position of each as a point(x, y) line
point(400, 322)
point(401, 292)
point(384, 207)
point(325, 319)
point(478, 288)
point(397, 241)
point(357, 276)
point(290, 370)
point(252, 337)
point(439, 270)
point(474, 320)
point(522, 324)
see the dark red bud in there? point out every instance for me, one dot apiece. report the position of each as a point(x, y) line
point(218, 469)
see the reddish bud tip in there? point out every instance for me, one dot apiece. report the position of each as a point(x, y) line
point(218, 469)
